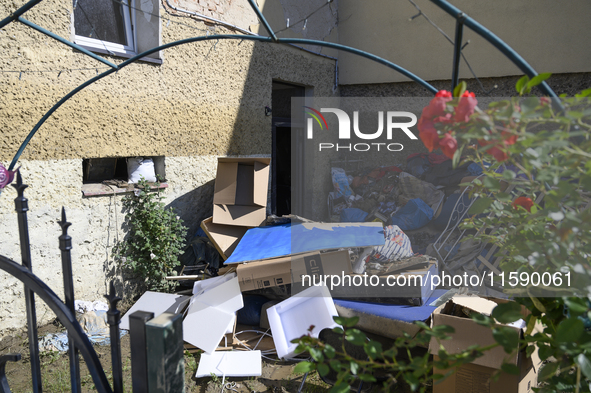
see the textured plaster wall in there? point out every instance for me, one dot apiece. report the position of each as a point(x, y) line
point(205, 100)
point(550, 35)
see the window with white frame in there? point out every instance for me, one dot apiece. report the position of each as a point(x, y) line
point(111, 26)
point(105, 24)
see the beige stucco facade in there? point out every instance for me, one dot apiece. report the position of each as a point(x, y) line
point(205, 100)
point(208, 99)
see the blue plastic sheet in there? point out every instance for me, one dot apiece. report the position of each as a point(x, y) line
point(414, 215)
point(281, 240)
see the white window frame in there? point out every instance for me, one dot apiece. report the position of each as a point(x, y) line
point(100, 45)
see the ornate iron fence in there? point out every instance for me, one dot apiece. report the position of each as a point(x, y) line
point(78, 341)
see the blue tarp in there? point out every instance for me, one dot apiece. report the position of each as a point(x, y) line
point(281, 240)
point(394, 311)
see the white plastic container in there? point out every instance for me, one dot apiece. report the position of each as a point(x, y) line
point(293, 317)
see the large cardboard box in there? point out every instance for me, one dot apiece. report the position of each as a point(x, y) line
point(413, 285)
point(281, 271)
point(475, 377)
point(225, 238)
point(240, 194)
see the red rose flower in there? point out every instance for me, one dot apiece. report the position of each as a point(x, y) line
point(444, 94)
point(465, 107)
point(428, 134)
point(497, 153)
point(508, 138)
point(448, 145)
point(524, 202)
point(447, 119)
point(544, 101)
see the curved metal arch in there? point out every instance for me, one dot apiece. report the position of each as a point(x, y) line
point(495, 41)
point(65, 316)
point(345, 48)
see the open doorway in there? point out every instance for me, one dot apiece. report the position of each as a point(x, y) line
point(281, 158)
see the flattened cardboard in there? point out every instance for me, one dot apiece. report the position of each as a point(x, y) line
point(225, 238)
point(157, 303)
point(240, 194)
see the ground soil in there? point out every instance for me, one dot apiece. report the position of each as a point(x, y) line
point(276, 376)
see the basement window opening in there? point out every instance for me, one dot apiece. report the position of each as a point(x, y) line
point(112, 175)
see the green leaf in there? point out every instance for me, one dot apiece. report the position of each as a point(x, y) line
point(507, 312)
point(346, 322)
point(510, 368)
point(354, 367)
point(536, 80)
point(577, 305)
point(316, 354)
point(507, 337)
point(329, 351)
point(491, 183)
point(569, 330)
point(547, 371)
point(373, 349)
point(584, 364)
point(481, 319)
point(341, 387)
point(304, 367)
point(336, 365)
point(460, 89)
point(322, 369)
point(480, 205)
point(522, 84)
point(538, 304)
point(355, 337)
point(367, 378)
point(545, 351)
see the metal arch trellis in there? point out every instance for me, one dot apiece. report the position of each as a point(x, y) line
point(78, 340)
point(462, 19)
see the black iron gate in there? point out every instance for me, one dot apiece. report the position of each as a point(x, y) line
point(78, 341)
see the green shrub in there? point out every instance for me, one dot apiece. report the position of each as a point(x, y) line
point(155, 238)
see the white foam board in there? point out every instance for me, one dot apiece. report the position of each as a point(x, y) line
point(204, 327)
point(211, 314)
point(292, 318)
point(230, 364)
point(157, 303)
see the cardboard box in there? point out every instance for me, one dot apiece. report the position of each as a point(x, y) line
point(225, 238)
point(472, 378)
point(279, 271)
point(240, 195)
point(475, 377)
point(417, 288)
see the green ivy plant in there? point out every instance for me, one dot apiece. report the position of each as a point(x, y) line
point(155, 238)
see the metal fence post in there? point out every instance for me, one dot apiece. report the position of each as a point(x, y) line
point(166, 362)
point(65, 247)
point(22, 206)
point(139, 350)
point(113, 318)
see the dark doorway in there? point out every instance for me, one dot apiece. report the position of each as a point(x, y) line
point(281, 157)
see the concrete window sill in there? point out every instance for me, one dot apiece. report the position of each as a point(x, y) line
point(98, 189)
